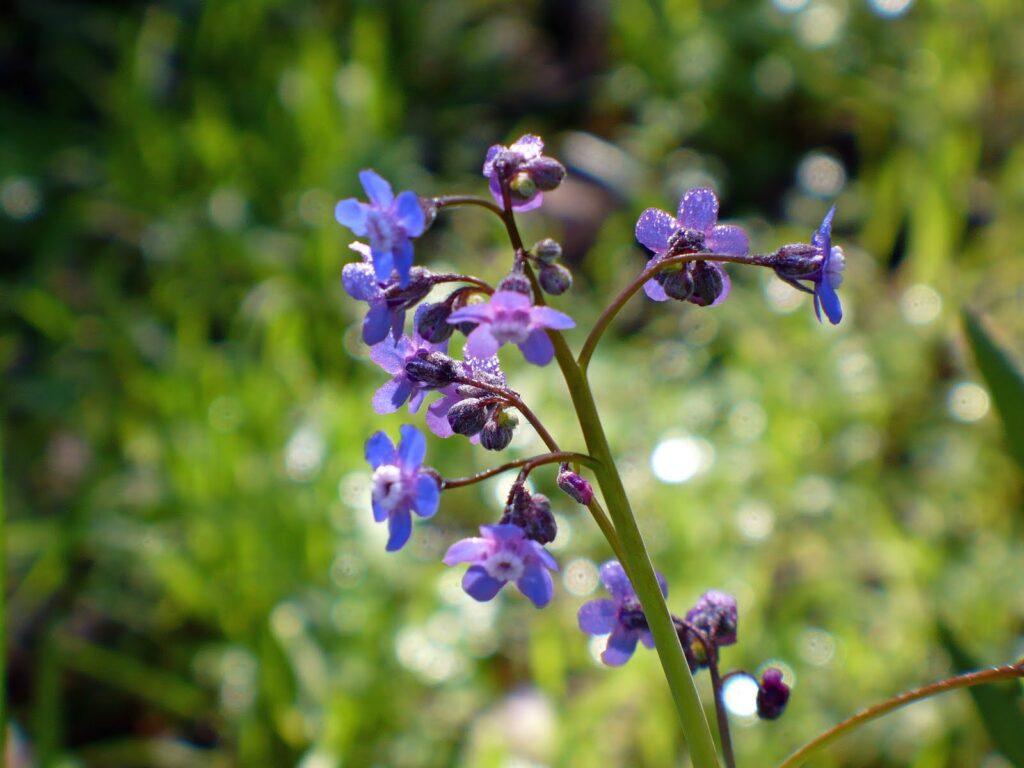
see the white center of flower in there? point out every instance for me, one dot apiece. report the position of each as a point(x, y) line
point(836, 265)
point(380, 229)
point(388, 486)
point(511, 326)
point(504, 566)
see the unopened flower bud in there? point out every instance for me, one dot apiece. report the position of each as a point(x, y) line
point(708, 283)
point(516, 281)
point(678, 284)
point(497, 432)
point(522, 186)
point(716, 615)
point(419, 286)
point(546, 173)
point(772, 695)
point(467, 417)
point(432, 322)
point(554, 279)
point(685, 241)
point(432, 369)
point(532, 513)
point(797, 260)
point(547, 250)
point(575, 486)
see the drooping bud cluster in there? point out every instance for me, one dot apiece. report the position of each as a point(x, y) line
point(524, 171)
point(532, 513)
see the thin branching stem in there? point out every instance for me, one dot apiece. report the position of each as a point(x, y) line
point(514, 400)
point(454, 278)
point(525, 464)
point(711, 653)
point(453, 201)
point(655, 266)
point(992, 675)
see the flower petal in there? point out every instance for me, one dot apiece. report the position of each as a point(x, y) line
point(352, 214)
point(529, 146)
point(537, 348)
point(411, 448)
point(698, 209)
point(615, 581)
point(647, 639)
point(380, 450)
point(427, 496)
point(481, 342)
point(654, 228)
point(390, 355)
point(359, 281)
point(597, 617)
point(480, 585)
point(654, 290)
point(537, 585)
point(528, 205)
point(474, 313)
point(545, 557)
point(409, 213)
point(399, 529)
point(389, 396)
point(377, 189)
point(379, 513)
point(826, 294)
point(822, 237)
point(728, 239)
point(467, 551)
point(551, 318)
point(402, 259)
point(437, 415)
point(621, 645)
point(383, 264)
point(377, 323)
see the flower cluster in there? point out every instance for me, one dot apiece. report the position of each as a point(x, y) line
point(472, 396)
point(709, 625)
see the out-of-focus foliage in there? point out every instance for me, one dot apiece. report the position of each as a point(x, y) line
point(194, 577)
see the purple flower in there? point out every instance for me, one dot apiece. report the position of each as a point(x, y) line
point(400, 486)
point(772, 694)
point(528, 173)
point(821, 263)
point(715, 615)
point(693, 230)
point(393, 356)
point(388, 221)
point(504, 554)
point(510, 317)
point(484, 369)
point(622, 617)
point(388, 300)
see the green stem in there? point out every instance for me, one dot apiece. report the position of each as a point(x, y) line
point(3, 603)
point(656, 266)
point(993, 675)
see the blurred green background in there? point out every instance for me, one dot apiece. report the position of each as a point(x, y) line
point(193, 576)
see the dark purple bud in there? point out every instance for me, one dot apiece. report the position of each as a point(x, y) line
point(575, 486)
point(432, 322)
point(522, 186)
point(432, 369)
point(678, 283)
point(467, 417)
point(693, 646)
point(685, 241)
point(772, 695)
point(797, 260)
point(497, 432)
point(707, 283)
point(518, 282)
point(399, 298)
point(715, 614)
point(532, 513)
point(545, 172)
point(547, 250)
point(554, 279)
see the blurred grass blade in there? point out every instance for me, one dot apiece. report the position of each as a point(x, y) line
point(1004, 379)
point(1000, 707)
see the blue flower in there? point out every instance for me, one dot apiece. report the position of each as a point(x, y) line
point(820, 263)
point(622, 617)
point(389, 221)
point(388, 300)
point(504, 554)
point(400, 485)
point(693, 229)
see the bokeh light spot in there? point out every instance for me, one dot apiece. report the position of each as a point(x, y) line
point(679, 459)
point(740, 695)
point(821, 175)
point(890, 8)
point(580, 577)
point(920, 304)
point(967, 401)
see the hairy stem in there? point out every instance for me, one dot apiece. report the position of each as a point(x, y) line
point(514, 400)
point(453, 201)
point(631, 551)
point(654, 267)
point(526, 464)
point(993, 675)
